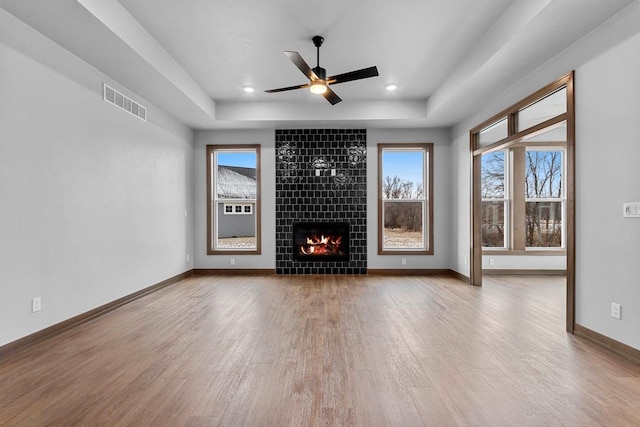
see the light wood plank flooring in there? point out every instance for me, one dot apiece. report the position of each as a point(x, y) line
point(325, 351)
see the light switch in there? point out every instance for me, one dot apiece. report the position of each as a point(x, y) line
point(631, 210)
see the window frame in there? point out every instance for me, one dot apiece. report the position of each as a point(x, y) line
point(213, 200)
point(427, 218)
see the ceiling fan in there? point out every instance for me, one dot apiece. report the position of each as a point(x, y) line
point(318, 80)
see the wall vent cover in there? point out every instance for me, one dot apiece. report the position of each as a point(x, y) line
point(116, 98)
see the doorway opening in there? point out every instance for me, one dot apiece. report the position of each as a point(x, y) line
point(523, 186)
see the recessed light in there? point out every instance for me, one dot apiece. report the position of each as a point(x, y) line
point(249, 89)
point(391, 87)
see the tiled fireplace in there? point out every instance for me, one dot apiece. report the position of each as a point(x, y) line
point(321, 209)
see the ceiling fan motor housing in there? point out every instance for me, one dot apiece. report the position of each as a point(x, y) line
point(320, 72)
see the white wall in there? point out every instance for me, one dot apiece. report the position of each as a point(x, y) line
point(524, 262)
point(266, 139)
point(93, 199)
point(607, 82)
point(607, 175)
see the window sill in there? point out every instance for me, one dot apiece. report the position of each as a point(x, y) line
point(236, 252)
point(405, 252)
point(534, 252)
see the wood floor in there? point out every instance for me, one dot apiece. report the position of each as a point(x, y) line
point(325, 351)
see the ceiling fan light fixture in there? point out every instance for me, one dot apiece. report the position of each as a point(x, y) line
point(391, 87)
point(318, 86)
point(248, 89)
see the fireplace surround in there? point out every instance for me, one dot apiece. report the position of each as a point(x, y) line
point(321, 177)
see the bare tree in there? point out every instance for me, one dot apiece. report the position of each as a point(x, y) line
point(493, 187)
point(493, 175)
point(543, 179)
point(405, 215)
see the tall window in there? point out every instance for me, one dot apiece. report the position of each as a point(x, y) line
point(233, 199)
point(544, 198)
point(495, 199)
point(405, 202)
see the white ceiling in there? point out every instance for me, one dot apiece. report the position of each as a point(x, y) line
point(193, 57)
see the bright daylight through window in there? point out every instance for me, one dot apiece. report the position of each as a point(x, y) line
point(495, 202)
point(233, 199)
point(541, 200)
point(405, 200)
point(544, 192)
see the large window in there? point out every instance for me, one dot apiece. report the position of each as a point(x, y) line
point(233, 199)
point(523, 198)
point(520, 174)
point(405, 207)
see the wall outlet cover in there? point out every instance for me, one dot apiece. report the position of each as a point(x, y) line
point(36, 304)
point(616, 310)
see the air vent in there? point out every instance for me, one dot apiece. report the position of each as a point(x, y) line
point(114, 97)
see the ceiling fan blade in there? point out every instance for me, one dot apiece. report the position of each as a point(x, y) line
point(284, 89)
point(331, 96)
point(365, 73)
point(301, 64)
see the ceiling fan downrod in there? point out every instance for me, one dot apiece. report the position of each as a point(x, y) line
point(317, 42)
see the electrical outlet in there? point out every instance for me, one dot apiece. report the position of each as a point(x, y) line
point(466, 260)
point(232, 261)
point(36, 304)
point(492, 261)
point(404, 261)
point(188, 257)
point(616, 310)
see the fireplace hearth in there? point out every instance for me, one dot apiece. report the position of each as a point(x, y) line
point(321, 241)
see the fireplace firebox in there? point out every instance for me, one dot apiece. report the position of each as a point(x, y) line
point(321, 241)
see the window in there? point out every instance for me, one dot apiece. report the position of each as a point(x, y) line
point(543, 109)
point(495, 199)
point(522, 188)
point(405, 202)
point(493, 133)
point(233, 199)
point(244, 209)
point(544, 198)
point(530, 217)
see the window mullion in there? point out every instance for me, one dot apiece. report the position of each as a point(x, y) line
point(517, 192)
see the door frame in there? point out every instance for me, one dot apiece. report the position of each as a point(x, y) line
point(513, 138)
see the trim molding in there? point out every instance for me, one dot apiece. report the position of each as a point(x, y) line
point(243, 271)
point(460, 276)
point(58, 328)
point(627, 352)
point(371, 271)
point(410, 272)
point(496, 272)
point(537, 252)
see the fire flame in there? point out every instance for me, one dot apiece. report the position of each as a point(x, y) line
point(322, 245)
